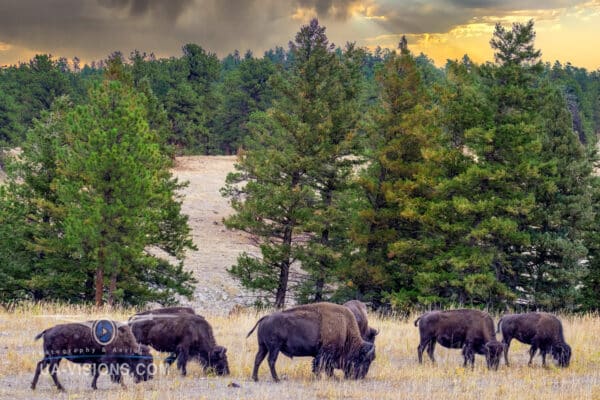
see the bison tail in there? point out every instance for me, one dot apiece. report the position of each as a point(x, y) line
point(254, 327)
point(417, 321)
point(41, 334)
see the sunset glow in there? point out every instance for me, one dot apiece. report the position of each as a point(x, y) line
point(442, 29)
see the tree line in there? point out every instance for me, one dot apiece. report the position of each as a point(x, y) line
point(361, 174)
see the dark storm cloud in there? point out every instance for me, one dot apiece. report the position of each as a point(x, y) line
point(170, 9)
point(440, 16)
point(339, 9)
point(92, 29)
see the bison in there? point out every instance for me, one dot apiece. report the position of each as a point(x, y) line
point(185, 335)
point(471, 330)
point(359, 309)
point(326, 331)
point(542, 331)
point(76, 343)
point(168, 311)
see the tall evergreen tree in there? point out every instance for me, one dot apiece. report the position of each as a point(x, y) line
point(293, 163)
point(389, 232)
point(99, 196)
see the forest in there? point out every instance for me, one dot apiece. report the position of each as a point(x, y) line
point(361, 174)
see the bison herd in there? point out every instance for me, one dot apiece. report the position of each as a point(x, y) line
point(336, 336)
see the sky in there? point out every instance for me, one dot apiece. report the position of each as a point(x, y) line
point(567, 30)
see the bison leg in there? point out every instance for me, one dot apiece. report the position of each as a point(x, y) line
point(96, 374)
point(316, 366)
point(182, 358)
point(506, 346)
point(38, 370)
point(421, 348)
point(469, 356)
point(543, 352)
point(532, 351)
point(53, 367)
point(273, 353)
point(430, 349)
point(260, 356)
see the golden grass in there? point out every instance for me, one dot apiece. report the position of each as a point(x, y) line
point(394, 374)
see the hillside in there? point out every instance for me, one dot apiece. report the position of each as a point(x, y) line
point(218, 247)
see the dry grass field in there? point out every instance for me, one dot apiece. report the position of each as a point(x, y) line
point(394, 374)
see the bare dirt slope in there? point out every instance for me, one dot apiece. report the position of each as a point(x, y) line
point(218, 247)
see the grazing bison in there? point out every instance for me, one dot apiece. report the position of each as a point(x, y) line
point(359, 309)
point(471, 330)
point(326, 331)
point(75, 342)
point(542, 331)
point(169, 311)
point(184, 335)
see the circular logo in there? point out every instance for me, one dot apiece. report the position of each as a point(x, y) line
point(104, 331)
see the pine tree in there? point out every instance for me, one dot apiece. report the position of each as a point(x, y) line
point(98, 196)
point(389, 231)
point(292, 164)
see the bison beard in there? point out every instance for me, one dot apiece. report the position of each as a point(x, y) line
point(471, 330)
point(328, 332)
point(69, 341)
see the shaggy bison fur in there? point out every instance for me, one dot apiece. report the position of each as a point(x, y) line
point(471, 330)
point(542, 331)
point(165, 310)
point(359, 309)
point(328, 332)
point(75, 342)
point(185, 335)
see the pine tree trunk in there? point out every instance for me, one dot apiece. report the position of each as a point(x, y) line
point(282, 287)
point(99, 285)
point(320, 282)
point(285, 262)
point(100, 277)
point(112, 288)
point(285, 269)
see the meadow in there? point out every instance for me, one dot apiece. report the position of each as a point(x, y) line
point(394, 374)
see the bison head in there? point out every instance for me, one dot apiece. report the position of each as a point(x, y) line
point(142, 364)
point(562, 354)
point(358, 366)
point(493, 352)
point(217, 359)
point(370, 336)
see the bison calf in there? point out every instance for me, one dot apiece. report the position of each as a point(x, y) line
point(540, 330)
point(359, 309)
point(76, 343)
point(326, 331)
point(471, 330)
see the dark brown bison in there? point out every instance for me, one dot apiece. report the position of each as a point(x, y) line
point(359, 309)
point(542, 331)
point(76, 343)
point(326, 331)
point(169, 311)
point(185, 335)
point(471, 330)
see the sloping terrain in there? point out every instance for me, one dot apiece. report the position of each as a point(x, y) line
point(218, 247)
